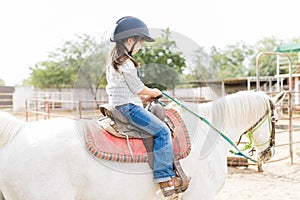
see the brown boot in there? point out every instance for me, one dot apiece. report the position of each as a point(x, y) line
point(169, 187)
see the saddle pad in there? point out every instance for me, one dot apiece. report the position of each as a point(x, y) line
point(103, 145)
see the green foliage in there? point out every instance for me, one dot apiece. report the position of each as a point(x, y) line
point(2, 83)
point(80, 63)
point(267, 63)
point(230, 62)
point(161, 64)
point(239, 60)
point(201, 68)
point(50, 74)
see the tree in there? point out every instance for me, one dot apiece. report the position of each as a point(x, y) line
point(267, 63)
point(2, 83)
point(203, 65)
point(161, 64)
point(50, 74)
point(91, 73)
point(231, 62)
point(80, 63)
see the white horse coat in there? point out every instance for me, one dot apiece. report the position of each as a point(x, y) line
point(47, 160)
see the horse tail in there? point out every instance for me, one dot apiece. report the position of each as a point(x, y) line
point(9, 127)
point(1, 196)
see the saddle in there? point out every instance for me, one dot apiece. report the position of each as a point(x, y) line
point(118, 125)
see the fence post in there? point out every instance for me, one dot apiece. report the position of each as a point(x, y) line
point(36, 109)
point(79, 109)
point(46, 108)
point(290, 125)
point(26, 109)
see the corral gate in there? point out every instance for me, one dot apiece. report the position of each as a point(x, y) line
point(6, 96)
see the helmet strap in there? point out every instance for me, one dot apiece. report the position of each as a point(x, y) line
point(132, 47)
point(129, 52)
point(121, 43)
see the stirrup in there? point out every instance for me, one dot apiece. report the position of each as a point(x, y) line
point(183, 186)
point(185, 180)
point(170, 187)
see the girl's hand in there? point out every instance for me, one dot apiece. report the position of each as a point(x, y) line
point(156, 92)
point(146, 98)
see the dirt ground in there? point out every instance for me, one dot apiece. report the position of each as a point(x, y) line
point(280, 179)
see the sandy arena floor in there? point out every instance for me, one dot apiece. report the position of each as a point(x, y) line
point(280, 179)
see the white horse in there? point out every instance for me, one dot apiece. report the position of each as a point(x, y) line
point(47, 160)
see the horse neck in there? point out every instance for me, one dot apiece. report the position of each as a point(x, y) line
point(9, 127)
point(234, 114)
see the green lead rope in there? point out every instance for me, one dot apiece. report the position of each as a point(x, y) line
point(238, 152)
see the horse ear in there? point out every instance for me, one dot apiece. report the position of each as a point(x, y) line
point(279, 97)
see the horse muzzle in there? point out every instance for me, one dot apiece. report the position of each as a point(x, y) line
point(267, 154)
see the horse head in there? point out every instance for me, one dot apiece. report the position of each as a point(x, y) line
point(261, 116)
point(265, 141)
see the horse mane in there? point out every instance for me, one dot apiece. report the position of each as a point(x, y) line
point(241, 98)
point(9, 127)
point(233, 114)
point(250, 105)
point(247, 103)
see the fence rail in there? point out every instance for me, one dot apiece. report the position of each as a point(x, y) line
point(45, 108)
point(48, 108)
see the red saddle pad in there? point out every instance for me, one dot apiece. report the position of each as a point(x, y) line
point(104, 145)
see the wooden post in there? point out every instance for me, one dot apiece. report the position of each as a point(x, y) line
point(237, 162)
point(259, 166)
point(36, 109)
point(26, 109)
point(79, 109)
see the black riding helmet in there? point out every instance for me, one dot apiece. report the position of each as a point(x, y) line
point(128, 27)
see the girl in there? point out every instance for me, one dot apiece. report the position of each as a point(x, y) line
point(124, 90)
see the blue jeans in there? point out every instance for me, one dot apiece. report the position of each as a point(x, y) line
point(163, 147)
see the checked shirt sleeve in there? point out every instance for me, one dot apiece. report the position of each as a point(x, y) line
point(130, 75)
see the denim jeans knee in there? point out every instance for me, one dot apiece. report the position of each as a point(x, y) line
point(163, 147)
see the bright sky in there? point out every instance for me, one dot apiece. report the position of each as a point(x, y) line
point(31, 29)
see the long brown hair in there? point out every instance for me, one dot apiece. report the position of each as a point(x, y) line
point(119, 55)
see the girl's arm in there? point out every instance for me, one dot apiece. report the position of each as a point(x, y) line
point(152, 92)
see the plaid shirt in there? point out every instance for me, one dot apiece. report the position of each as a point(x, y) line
point(124, 86)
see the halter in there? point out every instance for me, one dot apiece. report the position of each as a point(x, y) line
point(249, 132)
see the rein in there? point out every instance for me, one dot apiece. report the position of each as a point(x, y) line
point(250, 130)
point(254, 126)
